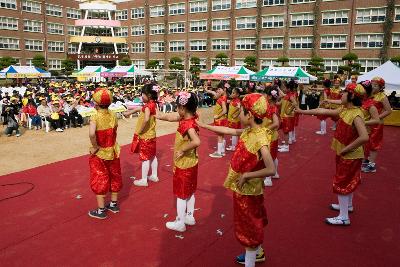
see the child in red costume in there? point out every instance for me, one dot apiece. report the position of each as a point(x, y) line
point(220, 117)
point(350, 135)
point(271, 121)
point(326, 92)
point(105, 168)
point(381, 102)
point(144, 139)
point(250, 163)
point(288, 103)
point(233, 116)
point(185, 159)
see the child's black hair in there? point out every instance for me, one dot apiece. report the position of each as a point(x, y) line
point(327, 83)
point(147, 89)
point(258, 121)
point(355, 100)
point(235, 90)
point(191, 105)
point(368, 87)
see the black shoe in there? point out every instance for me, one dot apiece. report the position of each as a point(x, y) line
point(259, 258)
point(114, 209)
point(98, 214)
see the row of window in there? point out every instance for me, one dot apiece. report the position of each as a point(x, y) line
point(36, 7)
point(267, 43)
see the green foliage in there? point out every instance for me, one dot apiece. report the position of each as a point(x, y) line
point(352, 67)
point(68, 65)
point(7, 61)
point(282, 60)
point(317, 66)
point(54, 73)
point(153, 64)
point(175, 63)
point(396, 59)
point(194, 66)
point(221, 60)
point(251, 63)
point(233, 83)
point(125, 61)
point(39, 61)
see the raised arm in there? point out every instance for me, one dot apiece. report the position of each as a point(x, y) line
point(131, 111)
point(361, 139)
point(167, 117)
point(319, 111)
point(220, 129)
point(214, 94)
point(334, 101)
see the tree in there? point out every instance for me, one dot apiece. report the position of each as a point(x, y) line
point(175, 63)
point(7, 61)
point(396, 60)
point(351, 67)
point(153, 64)
point(221, 60)
point(233, 83)
point(282, 60)
point(68, 65)
point(39, 61)
point(194, 66)
point(251, 63)
point(317, 66)
point(125, 61)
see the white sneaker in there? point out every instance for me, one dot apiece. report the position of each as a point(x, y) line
point(337, 221)
point(320, 132)
point(336, 207)
point(230, 148)
point(276, 176)
point(141, 182)
point(283, 145)
point(59, 130)
point(290, 142)
point(176, 225)
point(189, 220)
point(153, 178)
point(284, 149)
point(268, 181)
point(216, 155)
point(18, 135)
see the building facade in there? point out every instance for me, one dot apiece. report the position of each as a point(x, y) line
point(162, 29)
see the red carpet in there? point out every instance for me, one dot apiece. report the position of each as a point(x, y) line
point(50, 227)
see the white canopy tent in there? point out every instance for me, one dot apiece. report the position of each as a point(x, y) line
point(389, 72)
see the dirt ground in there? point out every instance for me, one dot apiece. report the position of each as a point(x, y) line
point(35, 148)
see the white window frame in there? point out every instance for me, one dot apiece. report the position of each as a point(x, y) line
point(55, 46)
point(334, 68)
point(51, 10)
point(121, 31)
point(302, 41)
point(176, 9)
point(176, 27)
point(8, 43)
point(397, 13)
point(158, 28)
point(138, 30)
point(139, 63)
point(246, 4)
point(178, 45)
point(395, 39)
point(246, 23)
point(8, 4)
point(137, 13)
point(218, 5)
point(274, 2)
point(198, 6)
point(138, 47)
point(121, 14)
point(336, 15)
point(157, 11)
point(39, 44)
point(300, 62)
point(201, 45)
point(32, 6)
point(374, 63)
point(302, 19)
point(249, 43)
point(368, 38)
point(8, 23)
point(332, 39)
point(223, 43)
point(33, 27)
point(202, 64)
point(74, 30)
point(363, 18)
point(50, 29)
point(278, 19)
point(220, 25)
point(198, 25)
point(73, 48)
point(275, 42)
point(122, 48)
point(299, 2)
point(73, 13)
point(267, 62)
point(157, 47)
point(51, 62)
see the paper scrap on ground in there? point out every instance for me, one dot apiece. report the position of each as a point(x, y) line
point(222, 215)
point(165, 215)
point(179, 236)
point(197, 209)
point(168, 165)
point(219, 232)
point(154, 229)
point(78, 197)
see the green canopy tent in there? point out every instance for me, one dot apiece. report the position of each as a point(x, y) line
point(270, 73)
